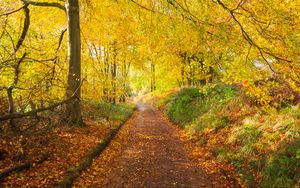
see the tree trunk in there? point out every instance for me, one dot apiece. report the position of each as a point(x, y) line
point(189, 77)
point(114, 81)
point(183, 71)
point(123, 95)
point(153, 84)
point(11, 109)
point(73, 112)
point(114, 73)
point(106, 68)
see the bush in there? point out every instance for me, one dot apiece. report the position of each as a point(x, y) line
point(264, 147)
point(183, 106)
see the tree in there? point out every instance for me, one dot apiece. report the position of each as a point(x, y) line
point(73, 112)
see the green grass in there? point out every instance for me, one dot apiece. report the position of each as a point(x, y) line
point(115, 112)
point(265, 143)
point(192, 108)
point(184, 106)
point(108, 112)
point(283, 166)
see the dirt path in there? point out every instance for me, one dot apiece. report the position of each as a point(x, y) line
point(153, 156)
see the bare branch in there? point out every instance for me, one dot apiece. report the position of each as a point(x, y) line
point(60, 39)
point(249, 50)
point(4, 26)
point(25, 28)
point(239, 5)
point(34, 112)
point(17, 70)
point(13, 11)
point(12, 42)
point(142, 6)
point(262, 55)
point(41, 60)
point(189, 13)
point(45, 4)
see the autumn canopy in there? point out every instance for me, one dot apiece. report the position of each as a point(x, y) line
point(57, 56)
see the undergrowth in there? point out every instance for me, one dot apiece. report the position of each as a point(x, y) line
point(264, 147)
point(192, 108)
point(107, 113)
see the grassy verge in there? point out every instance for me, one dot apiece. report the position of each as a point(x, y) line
point(108, 113)
point(264, 148)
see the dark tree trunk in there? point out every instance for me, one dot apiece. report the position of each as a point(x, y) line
point(123, 95)
point(153, 84)
point(73, 111)
point(183, 71)
point(114, 81)
point(189, 77)
point(11, 109)
point(114, 73)
point(106, 68)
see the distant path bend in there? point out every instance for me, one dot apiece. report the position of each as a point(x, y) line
point(154, 157)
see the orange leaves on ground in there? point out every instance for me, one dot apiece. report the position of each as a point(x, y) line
point(96, 174)
point(66, 146)
point(219, 171)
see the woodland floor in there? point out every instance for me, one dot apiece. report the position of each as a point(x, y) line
point(151, 152)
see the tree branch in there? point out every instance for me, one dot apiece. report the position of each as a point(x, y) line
point(13, 11)
point(34, 112)
point(25, 28)
point(142, 6)
point(17, 70)
point(23, 166)
point(61, 38)
point(248, 38)
point(45, 4)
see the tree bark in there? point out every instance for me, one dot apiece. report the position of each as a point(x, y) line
point(183, 70)
point(73, 111)
point(114, 82)
point(114, 73)
point(153, 84)
point(11, 108)
point(124, 78)
point(106, 68)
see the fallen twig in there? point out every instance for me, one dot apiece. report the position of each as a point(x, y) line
point(23, 166)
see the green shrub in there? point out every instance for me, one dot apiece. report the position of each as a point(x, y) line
point(221, 91)
point(255, 140)
point(183, 106)
point(189, 105)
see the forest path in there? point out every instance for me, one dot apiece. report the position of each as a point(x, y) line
point(153, 156)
